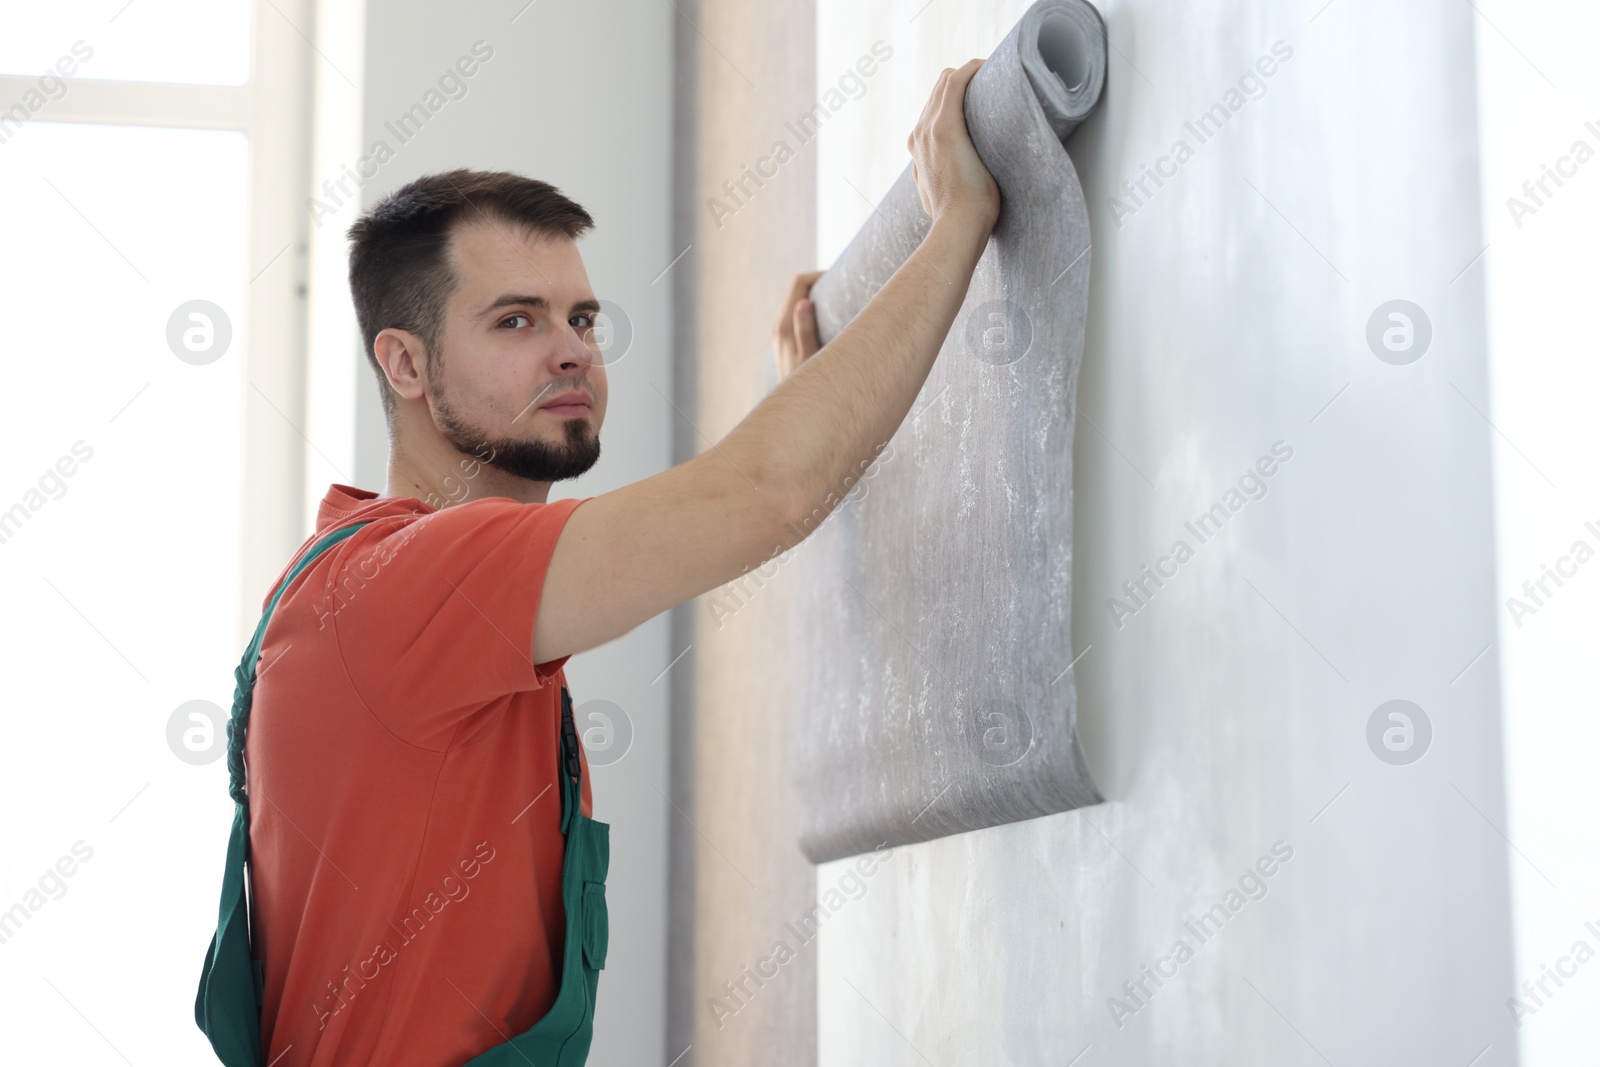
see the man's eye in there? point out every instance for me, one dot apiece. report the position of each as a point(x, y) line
point(514, 318)
point(584, 321)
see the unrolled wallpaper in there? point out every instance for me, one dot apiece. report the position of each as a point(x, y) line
point(935, 603)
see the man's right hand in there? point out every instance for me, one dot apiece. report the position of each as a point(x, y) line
point(794, 334)
point(951, 180)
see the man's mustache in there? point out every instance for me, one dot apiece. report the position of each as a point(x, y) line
point(550, 387)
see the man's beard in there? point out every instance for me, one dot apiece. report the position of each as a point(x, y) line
point(534, 461)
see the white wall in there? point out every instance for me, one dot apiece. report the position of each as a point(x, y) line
point(1229, 311)
point(1539, 91)
point(577, 95)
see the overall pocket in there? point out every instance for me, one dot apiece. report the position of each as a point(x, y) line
point(596, 925)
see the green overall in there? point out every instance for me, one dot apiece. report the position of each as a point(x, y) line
point(232, 987)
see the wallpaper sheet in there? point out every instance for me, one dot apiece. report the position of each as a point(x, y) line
point(936, 602)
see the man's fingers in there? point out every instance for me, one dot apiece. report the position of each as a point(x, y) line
point(801, 284)
point(805, 329)
point(931, 104)
point(794, 332)
point(951, 109)
point(797, 292)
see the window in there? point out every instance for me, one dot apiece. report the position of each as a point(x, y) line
point(153, 161)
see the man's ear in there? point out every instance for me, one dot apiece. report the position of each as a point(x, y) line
point(400, 354)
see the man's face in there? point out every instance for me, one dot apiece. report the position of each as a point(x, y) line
point(518, 337)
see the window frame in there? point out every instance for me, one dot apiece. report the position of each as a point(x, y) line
point(273, 109)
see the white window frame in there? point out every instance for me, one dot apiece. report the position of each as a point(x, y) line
point(273, 110)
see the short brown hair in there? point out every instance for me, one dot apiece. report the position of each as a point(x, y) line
point(400, 273)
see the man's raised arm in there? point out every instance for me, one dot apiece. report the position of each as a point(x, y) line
point(628, 555)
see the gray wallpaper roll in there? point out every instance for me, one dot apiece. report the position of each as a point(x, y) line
point(936, 602)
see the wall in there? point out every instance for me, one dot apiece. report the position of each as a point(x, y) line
point(1540, 271)
point(737, 876)
point(577, 95)
point(1228, 715)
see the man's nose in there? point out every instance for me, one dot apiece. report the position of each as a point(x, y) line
point(574, 349)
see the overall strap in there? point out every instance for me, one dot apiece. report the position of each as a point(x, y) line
point(238, 732)
point(245, 676)
point(568, 765)
point(227, 1005)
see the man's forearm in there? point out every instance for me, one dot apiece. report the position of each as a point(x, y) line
point(838, 408)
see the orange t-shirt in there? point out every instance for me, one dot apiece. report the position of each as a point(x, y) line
point(404, 802)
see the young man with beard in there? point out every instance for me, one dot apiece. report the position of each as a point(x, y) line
point(408, 815)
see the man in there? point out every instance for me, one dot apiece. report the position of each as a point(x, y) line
point(405, 808)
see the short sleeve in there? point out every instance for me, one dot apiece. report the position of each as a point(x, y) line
point(444, 623)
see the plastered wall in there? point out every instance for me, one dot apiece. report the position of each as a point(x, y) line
point(1338, 883)
point(738, 878)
